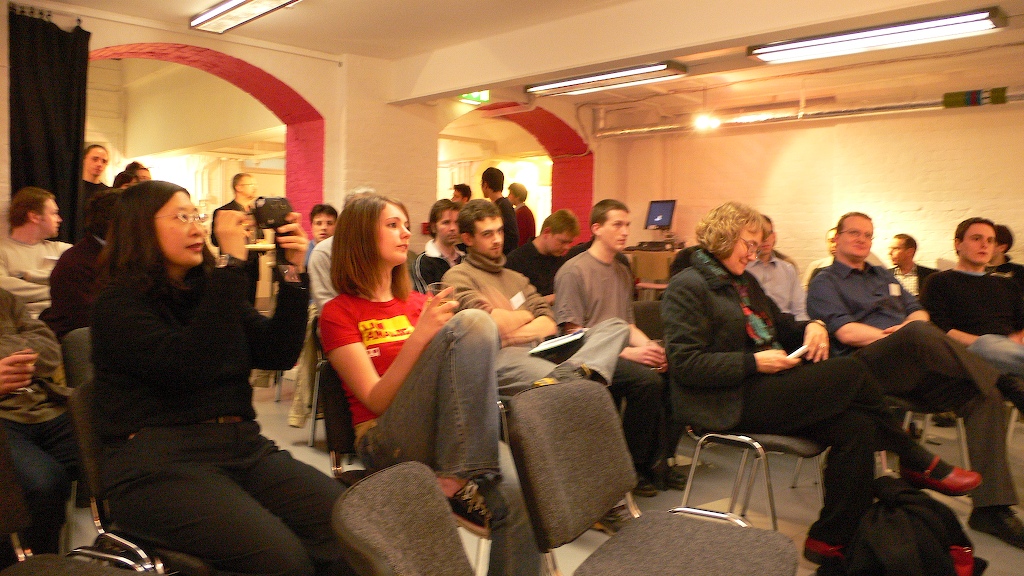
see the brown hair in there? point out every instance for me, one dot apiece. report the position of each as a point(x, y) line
point(355, 254)
point(842, 219)
point(561, 221)
point(28, 199)
point(599, 213)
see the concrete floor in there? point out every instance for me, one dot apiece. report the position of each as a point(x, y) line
point(797, 507)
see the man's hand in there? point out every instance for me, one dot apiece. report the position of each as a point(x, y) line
point(651, 354)
point(17, 370)
point(772, 361)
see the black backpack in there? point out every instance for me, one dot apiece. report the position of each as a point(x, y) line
point(906, 532)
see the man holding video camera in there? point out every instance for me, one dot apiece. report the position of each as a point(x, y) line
point(245, 193)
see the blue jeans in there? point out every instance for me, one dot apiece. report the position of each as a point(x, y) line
point(446, 415)
point(599, 350)
point(45, 463)
point(1005, 354)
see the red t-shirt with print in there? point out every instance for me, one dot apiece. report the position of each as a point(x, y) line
point(382, 327)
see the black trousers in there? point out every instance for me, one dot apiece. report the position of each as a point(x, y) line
point(226, 494)
point(920, 363)
point(643, 419)
point(837, 403)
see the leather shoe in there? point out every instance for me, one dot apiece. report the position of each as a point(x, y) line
point(999, 521)
point(957, 483)
point(821, 552)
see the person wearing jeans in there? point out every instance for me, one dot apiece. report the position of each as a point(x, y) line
point(419, 379)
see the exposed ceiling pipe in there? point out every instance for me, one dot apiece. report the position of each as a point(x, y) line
point(950, 100)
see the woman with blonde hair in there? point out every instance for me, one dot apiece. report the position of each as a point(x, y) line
point(727, 346)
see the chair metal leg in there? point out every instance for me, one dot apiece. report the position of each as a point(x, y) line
point(550, 566)
point(961, 432)
point(689, 477)
point(821, 478)
point(277, 382)
point(1012, 424)
point(796, 471)
point(313, 411)
point(483, 549)
point(740, 474)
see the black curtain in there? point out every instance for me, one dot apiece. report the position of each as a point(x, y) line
point(47, 86)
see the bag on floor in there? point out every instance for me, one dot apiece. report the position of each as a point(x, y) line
point(909, 533)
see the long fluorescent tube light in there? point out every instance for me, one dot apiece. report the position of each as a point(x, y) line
point(634, 76)
point(890, 36)
point(232, 13)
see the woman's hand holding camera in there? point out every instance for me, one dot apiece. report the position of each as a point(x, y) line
point(229, 229)
point(292, 238)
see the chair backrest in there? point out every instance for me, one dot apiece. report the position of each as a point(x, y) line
point(397, 521)
point(89, 448)
point(341, 436)
point(647, 317)
point(14, 514)
point(77, 349)
point(571, 456)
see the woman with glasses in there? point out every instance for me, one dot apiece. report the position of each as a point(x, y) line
point(174, 339)
point(727, 346)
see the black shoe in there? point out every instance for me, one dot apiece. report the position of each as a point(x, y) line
point(645, 489)
point(1012, 387)
point(999, 521)
point(676, 477)
point(944, 419)
point(614, 520)
point(470, 509)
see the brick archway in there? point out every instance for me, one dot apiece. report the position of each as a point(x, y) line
point(572, 162)
point(304, 146)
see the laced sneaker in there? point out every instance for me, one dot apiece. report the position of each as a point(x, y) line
point(470, 510)
point(566, 373)
point(614, 520)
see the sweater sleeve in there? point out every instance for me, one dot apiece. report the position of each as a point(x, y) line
point(132, 335)
point(21, 331)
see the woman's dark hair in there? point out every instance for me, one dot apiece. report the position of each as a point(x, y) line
point(133, 252)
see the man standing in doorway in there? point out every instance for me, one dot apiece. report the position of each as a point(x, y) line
point(525, 220)
point(94, 163)
point(461, 193)
point(492, 183)
point(245, 188)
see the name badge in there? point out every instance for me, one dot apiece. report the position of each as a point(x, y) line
point(517, 301)
point(894, 290)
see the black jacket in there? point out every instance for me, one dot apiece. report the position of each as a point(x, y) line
point(710, 356)
point(185, 357)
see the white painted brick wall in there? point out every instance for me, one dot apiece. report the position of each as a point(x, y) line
point(918, 174)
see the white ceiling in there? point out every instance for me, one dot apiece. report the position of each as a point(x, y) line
point(721, 79)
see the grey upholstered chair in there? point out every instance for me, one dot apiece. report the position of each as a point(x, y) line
point(397, 521)
point(574, 466)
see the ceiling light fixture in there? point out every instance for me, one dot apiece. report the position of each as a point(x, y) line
point(232, 13)
point(889, 36)
point(634, 76)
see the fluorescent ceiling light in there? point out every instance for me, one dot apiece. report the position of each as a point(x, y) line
point(622, 78)
point(232, 13)
point(890, 36)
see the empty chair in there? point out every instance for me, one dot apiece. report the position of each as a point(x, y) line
point(574, 466)
point(397, 521)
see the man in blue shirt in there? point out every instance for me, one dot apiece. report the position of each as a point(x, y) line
point(870, 315)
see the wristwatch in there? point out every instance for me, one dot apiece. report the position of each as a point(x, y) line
point(227, 260)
